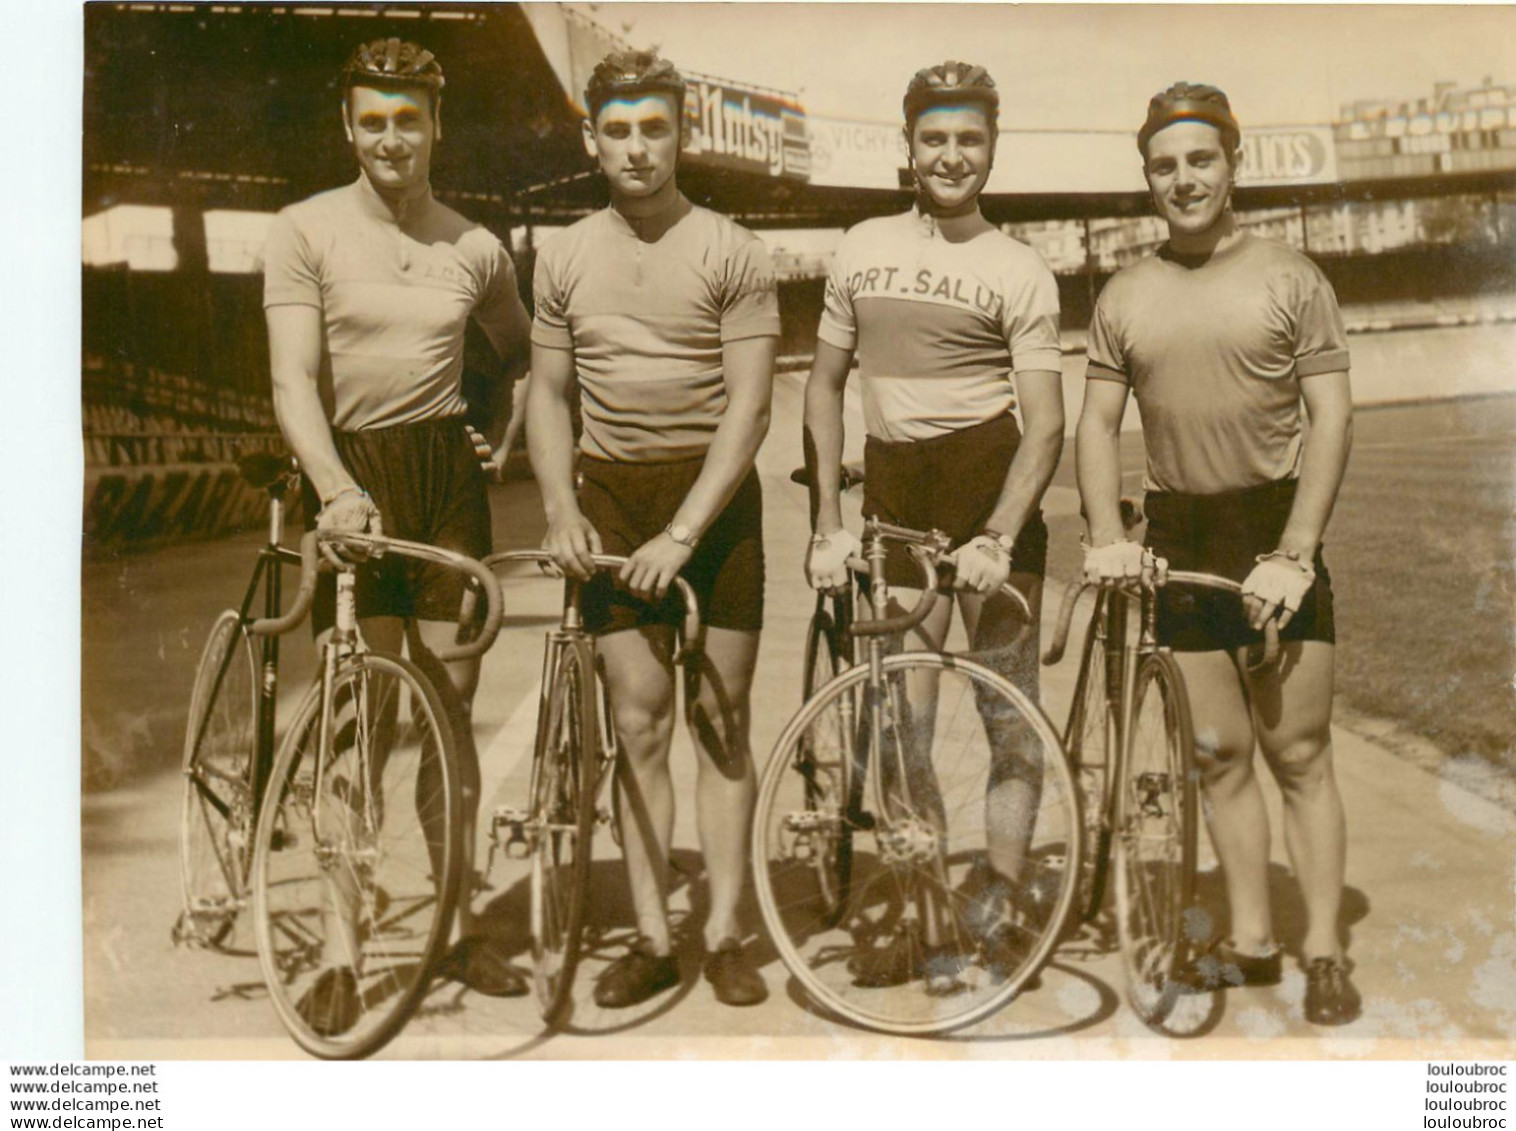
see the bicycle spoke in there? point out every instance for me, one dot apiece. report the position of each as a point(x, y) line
point(901, 953)
point(372, 871)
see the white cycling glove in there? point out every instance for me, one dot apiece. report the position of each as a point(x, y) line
point(1277, 582)
point(982, 564)
point(349, 511)
point(826, 561)
point(1121, 561)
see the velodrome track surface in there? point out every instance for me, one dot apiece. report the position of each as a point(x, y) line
point(1429, 905)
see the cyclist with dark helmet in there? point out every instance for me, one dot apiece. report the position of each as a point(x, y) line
point(955, 329)
point(1220, 336)
point(666, 317)
point(368, 290)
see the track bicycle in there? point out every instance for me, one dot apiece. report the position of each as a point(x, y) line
point(301, 835)
point(906, 789)
point(229, 738)
point(358, 847)
point(573, 759)
point(1130, 743)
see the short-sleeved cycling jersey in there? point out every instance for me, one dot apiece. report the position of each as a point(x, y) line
point(1214, 350)
point(395, 299)
point(646, 315)
point(939, 326)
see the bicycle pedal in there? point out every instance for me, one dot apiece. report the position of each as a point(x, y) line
point(513, 821)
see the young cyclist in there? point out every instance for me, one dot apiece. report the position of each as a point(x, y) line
point(1220, 335)
point(955, 328)
point(368, 290)
point(667, 316)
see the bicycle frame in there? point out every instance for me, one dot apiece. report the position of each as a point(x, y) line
point(571, 634)
point(267, 574)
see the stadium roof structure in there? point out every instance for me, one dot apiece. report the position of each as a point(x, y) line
point(237, 106)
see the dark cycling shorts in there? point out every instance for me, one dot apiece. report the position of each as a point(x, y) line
point(631, 503)
point(1224, 534)
point(949, 483)
point(426, 481)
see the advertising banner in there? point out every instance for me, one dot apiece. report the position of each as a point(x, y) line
point(1288, 155)
point(745, 129)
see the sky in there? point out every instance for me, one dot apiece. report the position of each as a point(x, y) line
point(1079, 66)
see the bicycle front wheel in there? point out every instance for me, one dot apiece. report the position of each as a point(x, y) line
point(1090, 740)
point(219, 744)
point(358, 859)
point(825, 759)
point(973, 797)
point(1156, 830)
point(565, 777)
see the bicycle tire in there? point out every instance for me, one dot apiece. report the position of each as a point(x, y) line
point(1156, 839)
point(1089, 738)
point(825, 759)
point(820, 950)
point(216, 813)
point(376, 830)
point(565, 772)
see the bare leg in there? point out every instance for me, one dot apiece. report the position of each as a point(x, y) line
point(719, 716)
point(455, 683)
point(1233, 807)
point(1292, 710)
point(1015, 782)
point(639, 672)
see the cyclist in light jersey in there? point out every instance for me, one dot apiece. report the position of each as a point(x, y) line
point(1220, 335)
point(955, 328)
point(368, 290)
point(667, 315)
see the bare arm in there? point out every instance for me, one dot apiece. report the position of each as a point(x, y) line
point(550, 441)
point(824, 432)
point(294, 347)
point(748, 367)
point(1329, 401)
point(1276, 583)
point(1097, 459)
point(1040, 394)
point(512, 338)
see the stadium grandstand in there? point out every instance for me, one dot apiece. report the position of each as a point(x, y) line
point(200, 121)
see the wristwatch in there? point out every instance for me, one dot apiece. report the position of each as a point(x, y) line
point(1004, 541)
point(682, 534)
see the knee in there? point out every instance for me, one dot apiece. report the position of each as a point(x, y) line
point(720, 725)
point(644, 730)
point(1223, 758)
point(1302, 764)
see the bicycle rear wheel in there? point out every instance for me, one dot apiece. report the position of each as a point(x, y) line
point(1156, 831)
point(565, 777)
point(1090, 740)
point(358, 860)
point(216, 812)
point(921, 868)
point(825, 759)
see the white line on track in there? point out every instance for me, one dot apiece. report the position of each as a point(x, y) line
point(511, 746)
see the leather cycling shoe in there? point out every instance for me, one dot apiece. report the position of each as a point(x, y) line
point(332, 1005)
point(1222, 966)
point(635, 977)
point(894, 964)
point(732, 976)
point(482, 964)
point(1330, 996)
